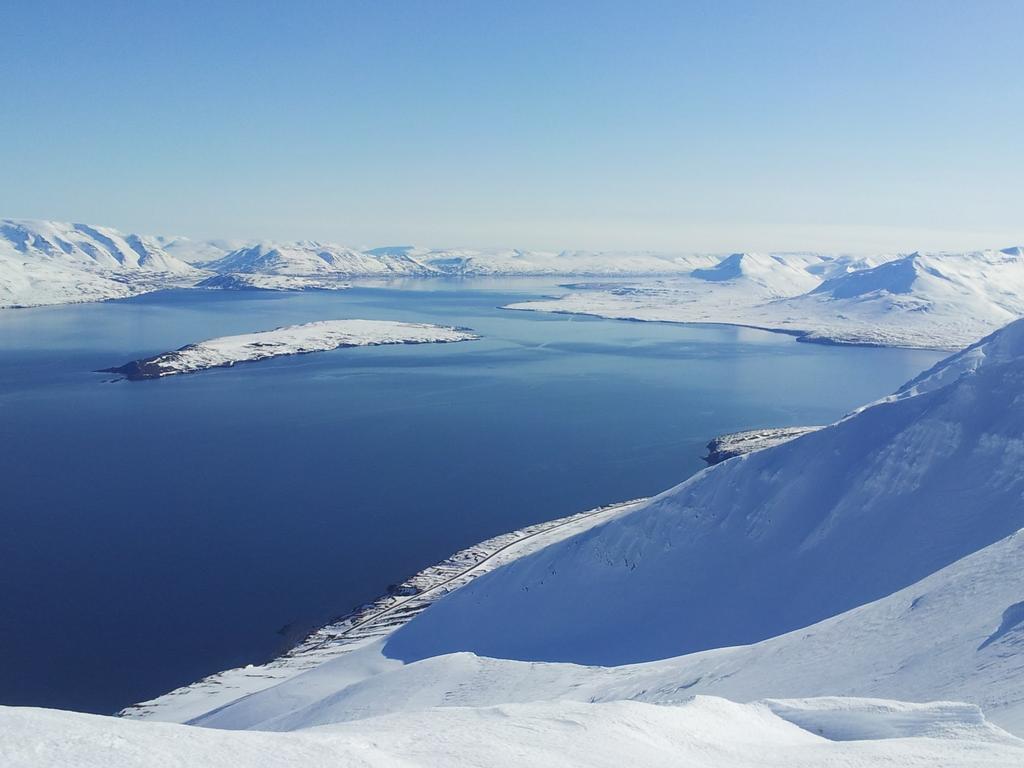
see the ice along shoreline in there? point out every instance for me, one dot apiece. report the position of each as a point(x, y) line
point(319, 336)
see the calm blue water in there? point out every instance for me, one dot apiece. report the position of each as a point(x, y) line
point(157, 531)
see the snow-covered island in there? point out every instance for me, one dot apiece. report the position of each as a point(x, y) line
point(318, 336)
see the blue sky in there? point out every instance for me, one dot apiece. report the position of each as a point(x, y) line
point(674, 126)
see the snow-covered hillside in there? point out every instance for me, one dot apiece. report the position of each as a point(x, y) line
point(766, 543)
point(702, 733)
point(309, 258)
point(902, 646)
point(941, 301)
point(47, 262)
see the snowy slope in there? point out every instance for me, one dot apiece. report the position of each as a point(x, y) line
point(763, 544)
point(942, 301)
point(702, 733)
point(1001, 347)
point(902, 646)
point(46, 262)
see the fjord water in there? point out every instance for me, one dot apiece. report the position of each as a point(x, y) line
point(157, 531)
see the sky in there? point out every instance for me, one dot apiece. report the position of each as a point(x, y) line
point(674, 126)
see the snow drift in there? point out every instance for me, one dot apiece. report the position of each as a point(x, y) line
point(703, 733)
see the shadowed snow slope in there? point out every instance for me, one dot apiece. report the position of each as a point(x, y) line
point(765, 543)
point(702, 733)
point(902, 646)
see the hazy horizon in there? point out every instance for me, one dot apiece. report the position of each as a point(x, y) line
point(671, 127)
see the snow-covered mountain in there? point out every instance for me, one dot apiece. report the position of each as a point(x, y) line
point(48, 262)
point(313, 258)
point(942, 301)
point(86, 246)
point(198, 252)
point(778, 275)
point(953, 296)
point(308, 258)
point(921, 300)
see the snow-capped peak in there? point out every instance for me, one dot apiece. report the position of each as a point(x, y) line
point(310, 257)
point(779, 275)
point(83, 244)
point(51, 262)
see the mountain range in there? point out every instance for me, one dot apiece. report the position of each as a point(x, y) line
point(939, 300)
